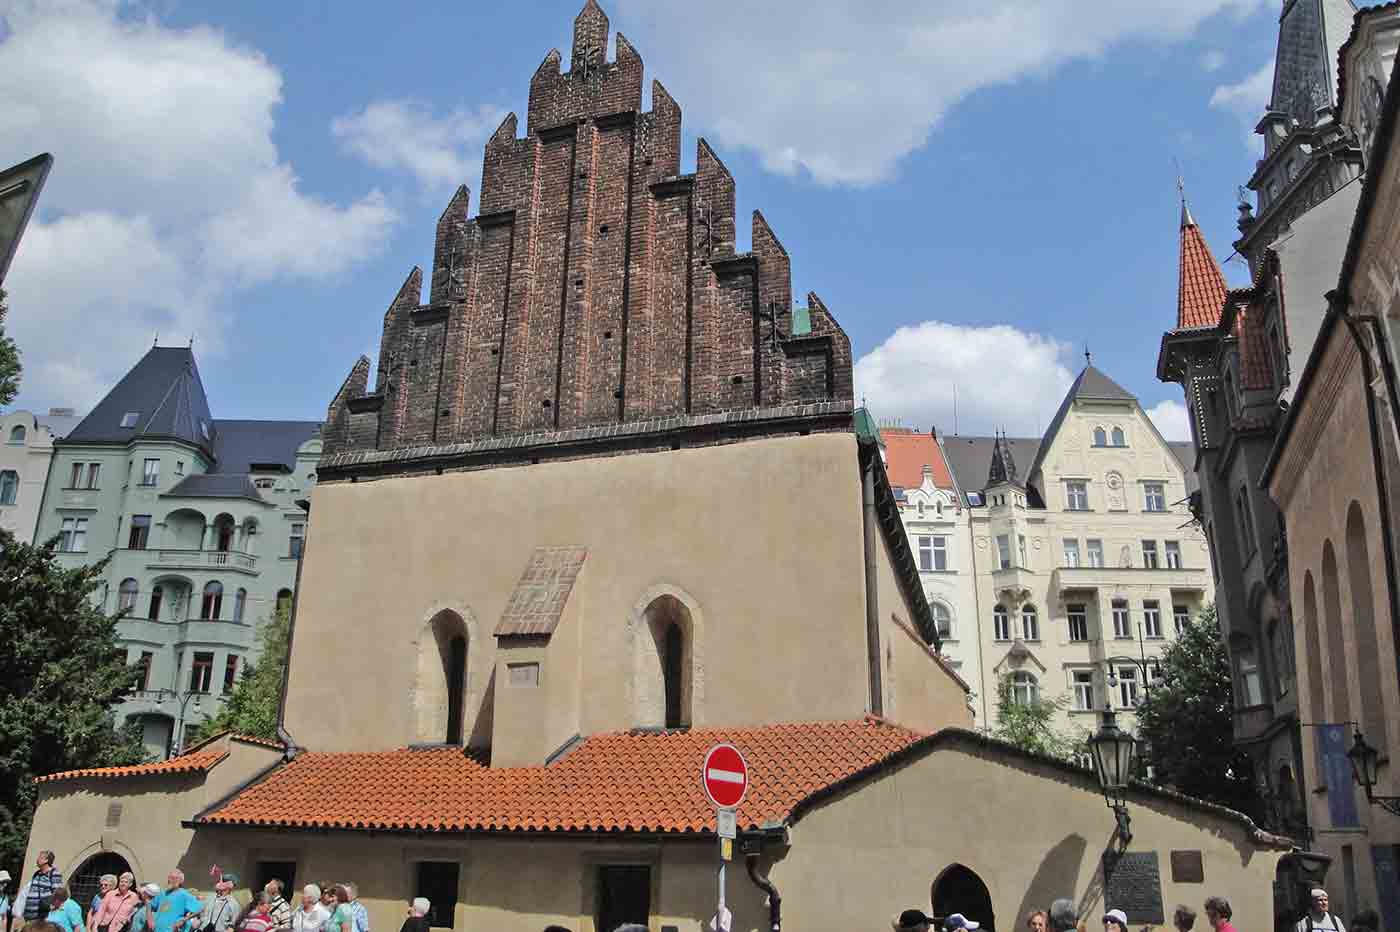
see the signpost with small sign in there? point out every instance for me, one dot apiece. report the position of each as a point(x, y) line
point(725, 777)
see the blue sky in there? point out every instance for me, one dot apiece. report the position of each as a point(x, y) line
point(976, 191)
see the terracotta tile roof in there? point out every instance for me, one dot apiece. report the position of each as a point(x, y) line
point(620, 782)
point(1254, 347)
point(234, 736)
point(1201, 292)
point(907, 452)
point(195, 762)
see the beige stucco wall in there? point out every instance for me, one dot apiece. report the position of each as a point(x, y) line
point(1032, 833)
point(72, 816)
point(730, 530)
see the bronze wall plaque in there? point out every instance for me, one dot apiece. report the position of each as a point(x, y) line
point(1133, 883)
point(1188, 867)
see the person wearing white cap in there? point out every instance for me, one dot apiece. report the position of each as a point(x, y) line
point(4, 901)
point(1319, 915)
point(311, 916)
point(141, 919)
point(1115, 920)
point(957, 921)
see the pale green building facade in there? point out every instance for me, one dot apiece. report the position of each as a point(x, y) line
point(203, 521)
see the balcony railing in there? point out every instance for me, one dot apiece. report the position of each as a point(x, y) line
point(1096, 577)
point(205, 558)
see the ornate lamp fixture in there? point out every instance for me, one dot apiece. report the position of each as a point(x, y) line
point(1365, 760)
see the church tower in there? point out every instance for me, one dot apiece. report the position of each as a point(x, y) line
point(1308, 153)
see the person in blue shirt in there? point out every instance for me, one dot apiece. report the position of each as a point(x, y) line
point(176, 909)
point(141, 919)
point(65, 912)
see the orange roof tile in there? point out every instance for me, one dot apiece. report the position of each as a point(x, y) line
point(907, 452)
point(1201, 293)
point(620, 782)
point(198, 761)
point(1254, 348)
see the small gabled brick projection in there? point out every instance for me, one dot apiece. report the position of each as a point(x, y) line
point(595, 287)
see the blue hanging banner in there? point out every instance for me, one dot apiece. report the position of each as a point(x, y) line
point(1336, 773)
point(1387, 885)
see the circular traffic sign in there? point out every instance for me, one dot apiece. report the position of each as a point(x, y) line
point(725, 776)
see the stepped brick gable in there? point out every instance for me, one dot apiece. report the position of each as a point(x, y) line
point(595, 287)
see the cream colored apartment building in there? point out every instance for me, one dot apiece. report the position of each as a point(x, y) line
point(1084, 558)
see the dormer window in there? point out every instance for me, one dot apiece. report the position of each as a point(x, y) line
point(130, 418)
point(264, 483)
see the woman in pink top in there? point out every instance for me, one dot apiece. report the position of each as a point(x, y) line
point(117, 906)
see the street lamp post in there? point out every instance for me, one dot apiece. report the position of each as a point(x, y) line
point(178, 735)
point(1365, 760)
point(1113, 751)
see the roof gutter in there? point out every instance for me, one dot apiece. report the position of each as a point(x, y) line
point(869, 520)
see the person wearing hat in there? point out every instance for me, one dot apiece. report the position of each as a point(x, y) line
point(1319, 916)
point(1115, 920)
point(4, 901)
point(223, 908)
point(912, 920)
point(958, 921)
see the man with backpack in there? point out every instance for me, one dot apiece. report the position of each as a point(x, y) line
point(1319, 919)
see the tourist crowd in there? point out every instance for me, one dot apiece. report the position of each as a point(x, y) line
point(45, 904)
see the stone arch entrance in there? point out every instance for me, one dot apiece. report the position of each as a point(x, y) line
point(958, 889)
point(87, 879)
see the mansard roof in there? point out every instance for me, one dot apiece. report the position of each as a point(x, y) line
point(1311, 35)
point(165, 393)
point(599, 293)
point(1201, 288)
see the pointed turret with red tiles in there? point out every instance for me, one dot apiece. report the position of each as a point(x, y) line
point(1201, 293)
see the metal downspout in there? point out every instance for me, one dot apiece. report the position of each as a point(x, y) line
point(775, 902)
point(283, 734)
point(869, 519)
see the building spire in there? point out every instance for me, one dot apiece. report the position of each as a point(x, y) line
point(1201, 290)
point(1186, 219)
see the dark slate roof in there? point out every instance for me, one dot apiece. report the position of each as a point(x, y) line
point(970, 458)
point(59, 425)
point(238, 445)
point(1091, 385)
point(215, 485)
point(165, 391)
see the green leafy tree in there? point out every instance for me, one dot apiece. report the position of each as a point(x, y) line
point(10, 368)
point(251, 709)
point(61, 674)
point(1031, 725)
point(1187, 720)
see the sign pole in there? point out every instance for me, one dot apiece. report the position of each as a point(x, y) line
point(725, 778)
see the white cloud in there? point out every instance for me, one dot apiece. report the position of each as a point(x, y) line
point(1171, 420)
point(1004, 378)
point(404, 135)
point(167, 191)
point(1213, 60)
point(843, 90)
point(1246, 100)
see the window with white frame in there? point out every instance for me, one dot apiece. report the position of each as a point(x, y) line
point(1152, 619)
point(1149, 554)
point(1122, 620)
point(127, 594)
point(1095, 551)
point(1071, 551)
point(75, 476)
point(1030, 623)
point(94, 471)
point(1001, 623)
point(1119, 439)
point(1173, 549)
point(1128, 686)
point(1181, 617)
point(1154, 496)
point(1077, 495)
point(1004, 550)
point(1024, 688)
point(1083, 683)
point(130, 418)
point(150, 472)
point(940, 553)
point(72, 535)
point(1100, 437)
point(942, 620)
point(296, 539)
point(1251, 685)
point(933, 554)
point(1078, 622)
point(201, 672)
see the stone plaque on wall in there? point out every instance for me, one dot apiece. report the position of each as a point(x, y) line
point(1188, 867)
point(1133, 883)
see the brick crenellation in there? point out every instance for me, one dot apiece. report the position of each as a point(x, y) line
point(596, 285)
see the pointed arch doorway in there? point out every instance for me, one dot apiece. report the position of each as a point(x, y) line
point(958, 889)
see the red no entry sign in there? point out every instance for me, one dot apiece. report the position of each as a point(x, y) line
point(725, 776)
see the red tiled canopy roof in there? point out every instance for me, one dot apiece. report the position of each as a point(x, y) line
point(907, 452)
point(1201, 293)
point(628, 781)
point(196, 762)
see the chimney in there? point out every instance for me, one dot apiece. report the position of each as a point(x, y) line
point(928, 473)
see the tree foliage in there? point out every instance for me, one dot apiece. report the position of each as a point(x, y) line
point(1031, 725)
point(61, 674)
point(1187, 720)
point(10, 367)
point(251, 709)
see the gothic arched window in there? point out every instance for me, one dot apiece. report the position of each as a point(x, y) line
point(1100, 437)
point(1030, 624)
